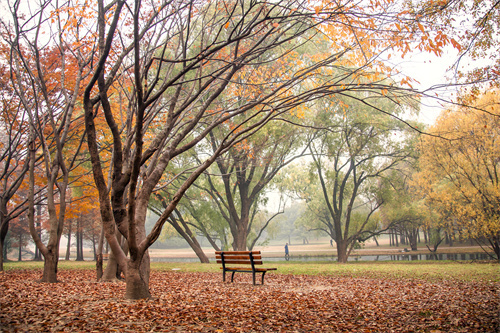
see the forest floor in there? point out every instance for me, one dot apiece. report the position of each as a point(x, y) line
point(201, 302)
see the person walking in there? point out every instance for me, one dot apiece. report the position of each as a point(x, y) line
point(287, 255)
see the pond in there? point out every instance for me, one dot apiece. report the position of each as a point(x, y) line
point(392, 257)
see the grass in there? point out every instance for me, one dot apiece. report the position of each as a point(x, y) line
point(429, 271)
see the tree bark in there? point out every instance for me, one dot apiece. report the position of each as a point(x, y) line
point(68, 246)
point(51, 260)
point(20, 257)
point(3, 234)
point(79, 239)
point(412, 238)
point(137, 285)
point(342, 251)
point(99, 257)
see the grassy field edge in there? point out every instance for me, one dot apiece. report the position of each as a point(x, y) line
point(467, 271)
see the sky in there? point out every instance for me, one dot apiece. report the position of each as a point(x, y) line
point(430, 71)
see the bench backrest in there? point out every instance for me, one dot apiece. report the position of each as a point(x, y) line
point(238, 257)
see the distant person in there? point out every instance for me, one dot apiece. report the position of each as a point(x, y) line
point(286, 249)
point(331, 242)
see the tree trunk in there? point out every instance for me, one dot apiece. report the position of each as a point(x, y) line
point(412, 237)
point(79, 239)
point(137, 284)
point(38, 253)
point(1, 254)
point(239, 243)
point(50, 267)
point(240, 240)
point(20, 257)
point(112, 271)
point(98, 265)
point(342, 251)
point(3, 235)
point(68, 247)
point(190, 238)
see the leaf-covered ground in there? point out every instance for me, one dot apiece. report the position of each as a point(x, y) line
point(201, 302)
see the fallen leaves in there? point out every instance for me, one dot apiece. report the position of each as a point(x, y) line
point(201, 302)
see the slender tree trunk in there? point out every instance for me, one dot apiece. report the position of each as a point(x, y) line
point(38, 253)
point(112, 271)
point(99, 264)
point(20, 247)
point(3, 235)
point(68, 247)
point(412, 238)
point(185, 232)
point(77, 237)
point(94, 247)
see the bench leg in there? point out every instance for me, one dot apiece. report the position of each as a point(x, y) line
point(223, 276)
point(232, 276)
point(263, 273)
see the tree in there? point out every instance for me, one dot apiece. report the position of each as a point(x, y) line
point(349, 157)
point(459, 169)
point(245, 171)
point(472, 27)
point(46, 79)
point(13, 156)
point(175, 60)
point(153, 75)
point(403, 208)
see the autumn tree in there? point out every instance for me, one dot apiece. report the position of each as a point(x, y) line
point(350, 156)
point(245, 172)
point(473, 28)
point(14, 166)
point(153, 75)
point(459, 169)
point(46, 77)
point(403, 207)
point(178, 59)
point(13, 152)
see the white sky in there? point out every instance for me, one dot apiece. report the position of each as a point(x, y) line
point(430, 71)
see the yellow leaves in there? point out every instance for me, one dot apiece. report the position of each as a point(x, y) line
point(421, 27)
point(406, 82)
point(455, 44)
point(459, 163)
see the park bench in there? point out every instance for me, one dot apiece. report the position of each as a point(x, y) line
point(229, 259)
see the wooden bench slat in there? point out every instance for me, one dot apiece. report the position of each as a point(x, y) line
point(240, 262)
point(237, 252)
point(226, 257)
point(249, 269)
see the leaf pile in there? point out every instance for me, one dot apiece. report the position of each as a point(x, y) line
point(201, 302)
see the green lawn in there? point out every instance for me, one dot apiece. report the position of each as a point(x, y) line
point(429, 271)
